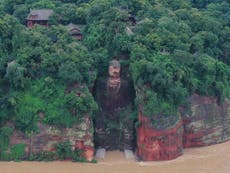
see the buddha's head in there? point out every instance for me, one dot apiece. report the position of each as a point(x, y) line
point(114, 69)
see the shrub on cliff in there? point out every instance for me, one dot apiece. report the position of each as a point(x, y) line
point(49, 97)
point(158, 82)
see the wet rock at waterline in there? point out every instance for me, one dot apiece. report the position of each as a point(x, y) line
point(205, 121)
point(158, 142)
point(80, 138)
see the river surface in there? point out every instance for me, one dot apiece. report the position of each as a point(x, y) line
point(211, 159)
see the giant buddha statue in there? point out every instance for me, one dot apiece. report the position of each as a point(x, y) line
point(114, 124)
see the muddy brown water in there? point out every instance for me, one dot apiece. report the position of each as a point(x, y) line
point(211, 159)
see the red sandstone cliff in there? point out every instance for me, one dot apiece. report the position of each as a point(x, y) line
point(205, 122)
point(159, 142)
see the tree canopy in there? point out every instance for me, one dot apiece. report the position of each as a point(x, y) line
point(172, 48)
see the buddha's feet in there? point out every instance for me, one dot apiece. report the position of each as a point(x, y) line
point(129, 155)
point(100, 153)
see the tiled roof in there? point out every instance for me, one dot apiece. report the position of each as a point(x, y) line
point(72, 26)
point(73, 29)
point(42, 14)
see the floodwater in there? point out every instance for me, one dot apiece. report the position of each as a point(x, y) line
point(211, 159)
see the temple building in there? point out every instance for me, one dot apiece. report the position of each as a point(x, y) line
point(75, 31)
point(40, 17)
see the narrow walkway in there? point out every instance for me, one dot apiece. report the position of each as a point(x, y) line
point(210, 159)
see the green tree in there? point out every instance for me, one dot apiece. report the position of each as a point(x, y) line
point(16, 74)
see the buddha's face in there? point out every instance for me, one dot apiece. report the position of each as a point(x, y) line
point(114, 71)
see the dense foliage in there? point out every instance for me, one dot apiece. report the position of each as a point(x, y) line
point(173, 49)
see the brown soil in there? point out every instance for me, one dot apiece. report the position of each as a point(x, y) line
point(210, 159)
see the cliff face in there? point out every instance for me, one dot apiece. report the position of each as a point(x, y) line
point(80, 138)
point(205, 122)
point(162, 141)
point(202, 122)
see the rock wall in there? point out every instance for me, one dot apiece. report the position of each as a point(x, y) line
point(205, 122)
point(162, 141)
point(202, 122)
point(80, 137)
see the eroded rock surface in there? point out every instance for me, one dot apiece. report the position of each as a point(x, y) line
point(80, 137)
point(205, 122)
point(156, 142)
